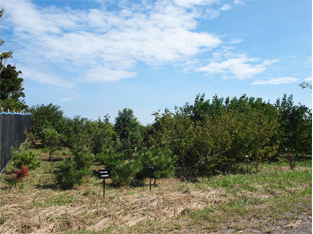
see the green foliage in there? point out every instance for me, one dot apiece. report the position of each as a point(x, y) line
point(162, 159)
point(46, 116)
point(11, 89)
point(71, 172)
point(295, 131)
point(124, 171)
point(51, 139)
point(13, 104)
point(25, 159)
point(103, 135)
point(127, 128)
point(220, 132)
point(305, 85)
point(11, 86)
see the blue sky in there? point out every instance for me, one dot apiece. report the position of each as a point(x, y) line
point(96, 57)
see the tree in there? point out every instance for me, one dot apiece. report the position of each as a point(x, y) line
point(72, 172)
point(4, 55)
point(11, 85)
point(305, 85)
point(127, 128)
point(12, 95)
point(162, 159)
point(295, 132)
point(46, 116)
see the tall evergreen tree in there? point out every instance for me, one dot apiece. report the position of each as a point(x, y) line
point(11, 85)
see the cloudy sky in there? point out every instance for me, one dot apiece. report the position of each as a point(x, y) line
point(95, 57)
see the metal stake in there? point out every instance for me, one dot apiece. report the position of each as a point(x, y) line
point(103, 188)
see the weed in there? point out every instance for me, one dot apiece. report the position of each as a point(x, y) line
point(131, 192)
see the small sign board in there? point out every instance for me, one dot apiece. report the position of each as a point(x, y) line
point(105, 174)
point(151, 167)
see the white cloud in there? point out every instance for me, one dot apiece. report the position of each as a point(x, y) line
point(270, 61)
point(234, 65)
point(276, 81)
point(308, 79)
point(212, 14)
point(236, 41)
point(44, 77)
point(104, 75)
point(190, 3)
point(72, 96)
point(102, 45)
point(239, 2)
point(226, 7)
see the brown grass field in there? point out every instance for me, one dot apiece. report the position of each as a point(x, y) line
point(271, 201)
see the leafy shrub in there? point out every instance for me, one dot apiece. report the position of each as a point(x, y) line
point(71, 172)
point(25, 159)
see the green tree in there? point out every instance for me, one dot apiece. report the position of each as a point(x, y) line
point(51, 139)
point(4, 56)
point(127, 128)
point(123, 171)
point(162, 159)
point(103, 135)
point(11, 85)
point(72, 172)
point(46, 116)
point(28, 159)
point(295, 131)
point(78, 134)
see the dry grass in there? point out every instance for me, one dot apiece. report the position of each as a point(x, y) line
point(36, 205)
point(49, 210)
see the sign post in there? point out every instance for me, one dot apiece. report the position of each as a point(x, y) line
point(247, 161)
point(151, 168)
point(104, 174)
point(202, 168)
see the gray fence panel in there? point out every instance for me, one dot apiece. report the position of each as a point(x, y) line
point(1, 117)
point(12, 133)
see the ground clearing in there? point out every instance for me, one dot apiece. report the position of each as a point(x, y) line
point(276, 200)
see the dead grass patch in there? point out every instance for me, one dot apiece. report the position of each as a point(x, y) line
point(173, 206)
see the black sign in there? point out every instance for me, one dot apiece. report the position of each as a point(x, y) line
point(151, 167)
point(104, 174)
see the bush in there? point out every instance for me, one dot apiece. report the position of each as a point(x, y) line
point(162, 159)
point(127, 171)
point(25, 159)
point(124, 171)
point(71, 172)
point(50, 137)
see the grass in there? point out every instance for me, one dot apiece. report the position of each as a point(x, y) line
point(256, 202)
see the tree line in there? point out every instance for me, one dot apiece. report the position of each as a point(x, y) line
point(201, 139)
point(204, 138)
